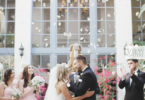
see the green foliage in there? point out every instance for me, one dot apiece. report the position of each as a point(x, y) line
point(139, 43)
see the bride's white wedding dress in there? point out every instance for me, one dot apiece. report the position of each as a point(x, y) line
point(51, 93)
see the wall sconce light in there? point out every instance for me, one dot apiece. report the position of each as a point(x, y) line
point(21, 50)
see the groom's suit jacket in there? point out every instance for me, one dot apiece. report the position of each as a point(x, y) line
point(134, 86)
point(88, 81)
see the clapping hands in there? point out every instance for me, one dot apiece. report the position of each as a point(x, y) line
point(123, 72)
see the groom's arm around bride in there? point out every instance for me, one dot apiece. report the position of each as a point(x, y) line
point(87, 80)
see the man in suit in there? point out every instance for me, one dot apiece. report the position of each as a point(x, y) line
point(133, 81)
point(84, 79)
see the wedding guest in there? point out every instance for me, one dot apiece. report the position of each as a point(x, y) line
point(7, 86)
point(133, 81)
point(29, 93)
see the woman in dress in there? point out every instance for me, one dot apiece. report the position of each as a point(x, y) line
point(7, 86)
point(58, 90)
point(29, 93)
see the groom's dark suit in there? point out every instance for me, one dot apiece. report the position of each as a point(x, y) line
point(88, 81)
point(134, 89)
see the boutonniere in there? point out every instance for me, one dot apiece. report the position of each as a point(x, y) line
point(80, 80)
point(135, 73)
point(81, 74)
point(77, 78)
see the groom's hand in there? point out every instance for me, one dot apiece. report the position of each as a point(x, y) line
point(89, 93)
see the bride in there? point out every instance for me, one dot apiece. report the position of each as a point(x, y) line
point(57, 89)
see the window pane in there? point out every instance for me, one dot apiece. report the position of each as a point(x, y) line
point(100, 3)
point(11, 28)
point(101, 13)
point(87, 58)
point(110, 3)
point(37, 3)
point(62, 3)
point(46, 27)
point(85, 40)
point(61, 27)
point(137, 27)
point(2, 3)
point(110, 27)
point(110, 40)
point(84, 14)
point(2, 27)
point(46, 3)
point(10, 3)
point(143, 2)
point(62, 59)
point(101, 27)
point(73, 27)
point(36, 41)
point(73, 14)
point(46, 14)
point(10, 14)
point(36, 27)
point(46, 41)
point(45, 61)
point(73, 39)
point(62, 14)
point(36, 60)
point(1, 41)
point(73, 3)
point(62, 41)
point(135, 13)
point(7, 61)
point(135, 3)
point(85, 27)
point(36, 14)
point(110, 14)
point(9, 41)
point(84, 3)
point(101, 40)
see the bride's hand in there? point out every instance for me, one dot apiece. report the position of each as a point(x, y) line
point(89, 93)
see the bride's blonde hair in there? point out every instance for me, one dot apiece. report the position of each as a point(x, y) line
point(62, 72)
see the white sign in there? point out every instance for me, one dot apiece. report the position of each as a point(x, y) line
point(134, 52)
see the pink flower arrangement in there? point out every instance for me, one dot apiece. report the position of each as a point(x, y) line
point(107, 79)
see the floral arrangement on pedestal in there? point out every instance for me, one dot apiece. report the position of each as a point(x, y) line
point(107, 79)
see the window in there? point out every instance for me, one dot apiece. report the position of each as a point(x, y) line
point(138, 23)
point(41, 61)
point(7, 23)
point(7, 61)
point(73, 22)
point(41, 24)
point(105, 23)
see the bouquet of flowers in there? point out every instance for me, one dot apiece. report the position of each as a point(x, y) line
point(37, 81)
point(16, 93)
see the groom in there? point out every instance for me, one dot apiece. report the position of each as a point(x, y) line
point(85, 81)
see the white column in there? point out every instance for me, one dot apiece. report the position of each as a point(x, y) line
point(53, 31)
point(123, 26)
point(23, 15)
point(93, 31)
